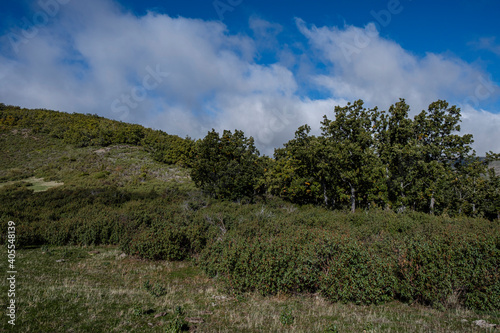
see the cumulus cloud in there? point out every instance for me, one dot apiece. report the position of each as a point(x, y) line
point(186, 76)
point(484, 126)
point(364, 65)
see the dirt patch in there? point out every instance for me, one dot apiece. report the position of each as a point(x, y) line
point(108, 149)
point(102, 150)
point(25, 132)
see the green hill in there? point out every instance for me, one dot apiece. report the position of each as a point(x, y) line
point(26, 153)
point(108, 223)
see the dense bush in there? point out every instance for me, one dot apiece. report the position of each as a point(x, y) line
point(435, 270)
point(354, 273)
point(269, 265)
point(435, 261)
point(274, 247)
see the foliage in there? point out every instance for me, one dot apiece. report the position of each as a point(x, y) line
point(363, 160)
point(227, 166)
point(286, 317)
point(365, 259)
point(91, 130)
point(156, 290)
point(370, 158)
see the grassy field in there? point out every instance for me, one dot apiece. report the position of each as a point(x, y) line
point(99, 289)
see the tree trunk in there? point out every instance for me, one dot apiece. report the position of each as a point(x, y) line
point(325, 197)
point(353, 199)
point(433, 201)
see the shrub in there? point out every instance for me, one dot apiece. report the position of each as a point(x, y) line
point(353, 273)
point(432, 270)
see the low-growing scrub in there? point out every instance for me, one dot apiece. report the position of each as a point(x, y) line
point(446, 265)
point(274, 248)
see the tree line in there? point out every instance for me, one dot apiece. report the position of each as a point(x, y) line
point(364, 158)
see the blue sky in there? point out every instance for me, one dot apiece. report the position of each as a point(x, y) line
point(264, 67)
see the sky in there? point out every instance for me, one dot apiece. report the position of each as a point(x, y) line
point(264, 67)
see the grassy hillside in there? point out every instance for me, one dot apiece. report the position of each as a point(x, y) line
point(25, 154)
point(112, 237)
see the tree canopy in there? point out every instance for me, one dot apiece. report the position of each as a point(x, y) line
point(370, 158)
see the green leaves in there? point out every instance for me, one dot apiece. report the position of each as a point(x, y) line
point(366, 158)
point(227, 167)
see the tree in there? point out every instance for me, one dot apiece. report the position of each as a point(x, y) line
point(491, 195)
point(298, 172)
point(227, 167)
point(351, 153)
point(398, 152)
point(440, 150)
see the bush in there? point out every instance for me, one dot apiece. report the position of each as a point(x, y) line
point(355, 274)
point(433, 270)
point(269, 265)
point(434, 261)
point(166, 244)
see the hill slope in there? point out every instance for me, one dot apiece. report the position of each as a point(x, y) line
point(25, 154)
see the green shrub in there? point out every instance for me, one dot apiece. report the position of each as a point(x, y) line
point(282, 263)
point(286, 317)
point(433, 270)
point(156, 290)
point(355, 274)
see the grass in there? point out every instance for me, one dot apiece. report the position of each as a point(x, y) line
point(98, 289)
point(29, 157)
point(36, 184)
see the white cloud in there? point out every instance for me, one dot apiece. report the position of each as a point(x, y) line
point(186, 76)
point(363, 65)
point(484, 126)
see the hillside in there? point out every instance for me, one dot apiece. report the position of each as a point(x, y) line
point(113, 226)
point(25, 154)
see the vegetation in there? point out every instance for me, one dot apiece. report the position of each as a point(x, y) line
point(370, 158)
point(380, 210)
point(364, 158)
point(91, 130)
point(98, 289)
point(226, 167)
